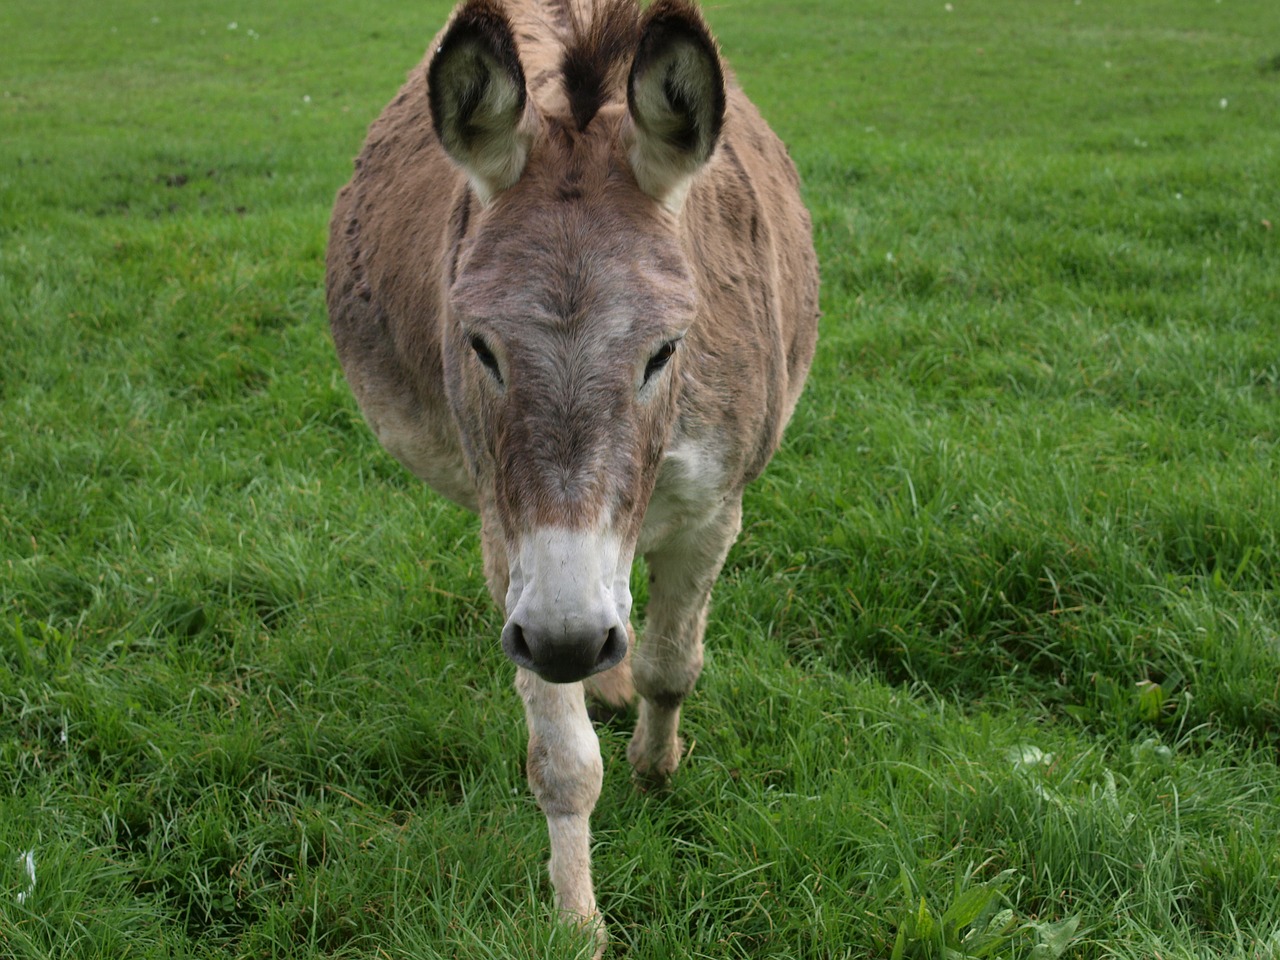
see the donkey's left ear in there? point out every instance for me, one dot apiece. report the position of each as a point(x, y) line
point(479, 102)
point(676, 98)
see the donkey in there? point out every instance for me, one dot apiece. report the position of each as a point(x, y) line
point(573, 288)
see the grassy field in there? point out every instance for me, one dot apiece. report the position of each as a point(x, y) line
point(994, 670)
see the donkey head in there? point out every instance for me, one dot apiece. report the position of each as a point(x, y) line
point(569, 295)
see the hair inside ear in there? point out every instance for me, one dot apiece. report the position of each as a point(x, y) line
point(676, 98)
point(479, 102)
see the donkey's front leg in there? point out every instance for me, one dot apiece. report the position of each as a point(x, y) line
point(668, 660)
point(565, 773)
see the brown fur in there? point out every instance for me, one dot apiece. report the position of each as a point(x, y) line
point(501, 325)
point(402, 222)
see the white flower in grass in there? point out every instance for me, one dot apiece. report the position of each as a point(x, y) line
point(232, 25)
point(28, 861)
point(1222, 104)
point(1027, 756)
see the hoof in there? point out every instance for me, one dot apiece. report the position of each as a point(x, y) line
point(605, 714)
point(594, 927)
point(650, 771)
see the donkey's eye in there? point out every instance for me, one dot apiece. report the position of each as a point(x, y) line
point(485, 356)
point(659, 359)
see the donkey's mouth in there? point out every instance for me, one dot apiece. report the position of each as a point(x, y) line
point(568, 602)
point(567, 658)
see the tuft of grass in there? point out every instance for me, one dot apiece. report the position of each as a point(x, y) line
point(992, 671)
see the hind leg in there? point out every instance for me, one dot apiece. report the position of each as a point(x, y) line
point(610, 693)
point(669, 658)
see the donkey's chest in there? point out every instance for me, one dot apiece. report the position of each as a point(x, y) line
point(689, 491)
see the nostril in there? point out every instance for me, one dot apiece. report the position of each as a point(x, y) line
point(613, 650)
point(515, 646)
point(572, 658)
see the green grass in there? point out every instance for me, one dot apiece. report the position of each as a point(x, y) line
point(995, 667)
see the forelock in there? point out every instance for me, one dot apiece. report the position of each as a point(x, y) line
point(597, 55)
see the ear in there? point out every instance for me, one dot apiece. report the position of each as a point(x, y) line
point(676, 98)
point(479, 104)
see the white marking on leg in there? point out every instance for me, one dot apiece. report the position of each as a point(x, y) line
point(565, 773)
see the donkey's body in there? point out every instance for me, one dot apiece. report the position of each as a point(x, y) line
point(573, 288)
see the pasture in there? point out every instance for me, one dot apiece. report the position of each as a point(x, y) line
point(994, 670)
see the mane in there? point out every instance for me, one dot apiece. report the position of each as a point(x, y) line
point(597, 52)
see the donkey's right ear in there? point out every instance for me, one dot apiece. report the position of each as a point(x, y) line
point(479, 105)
